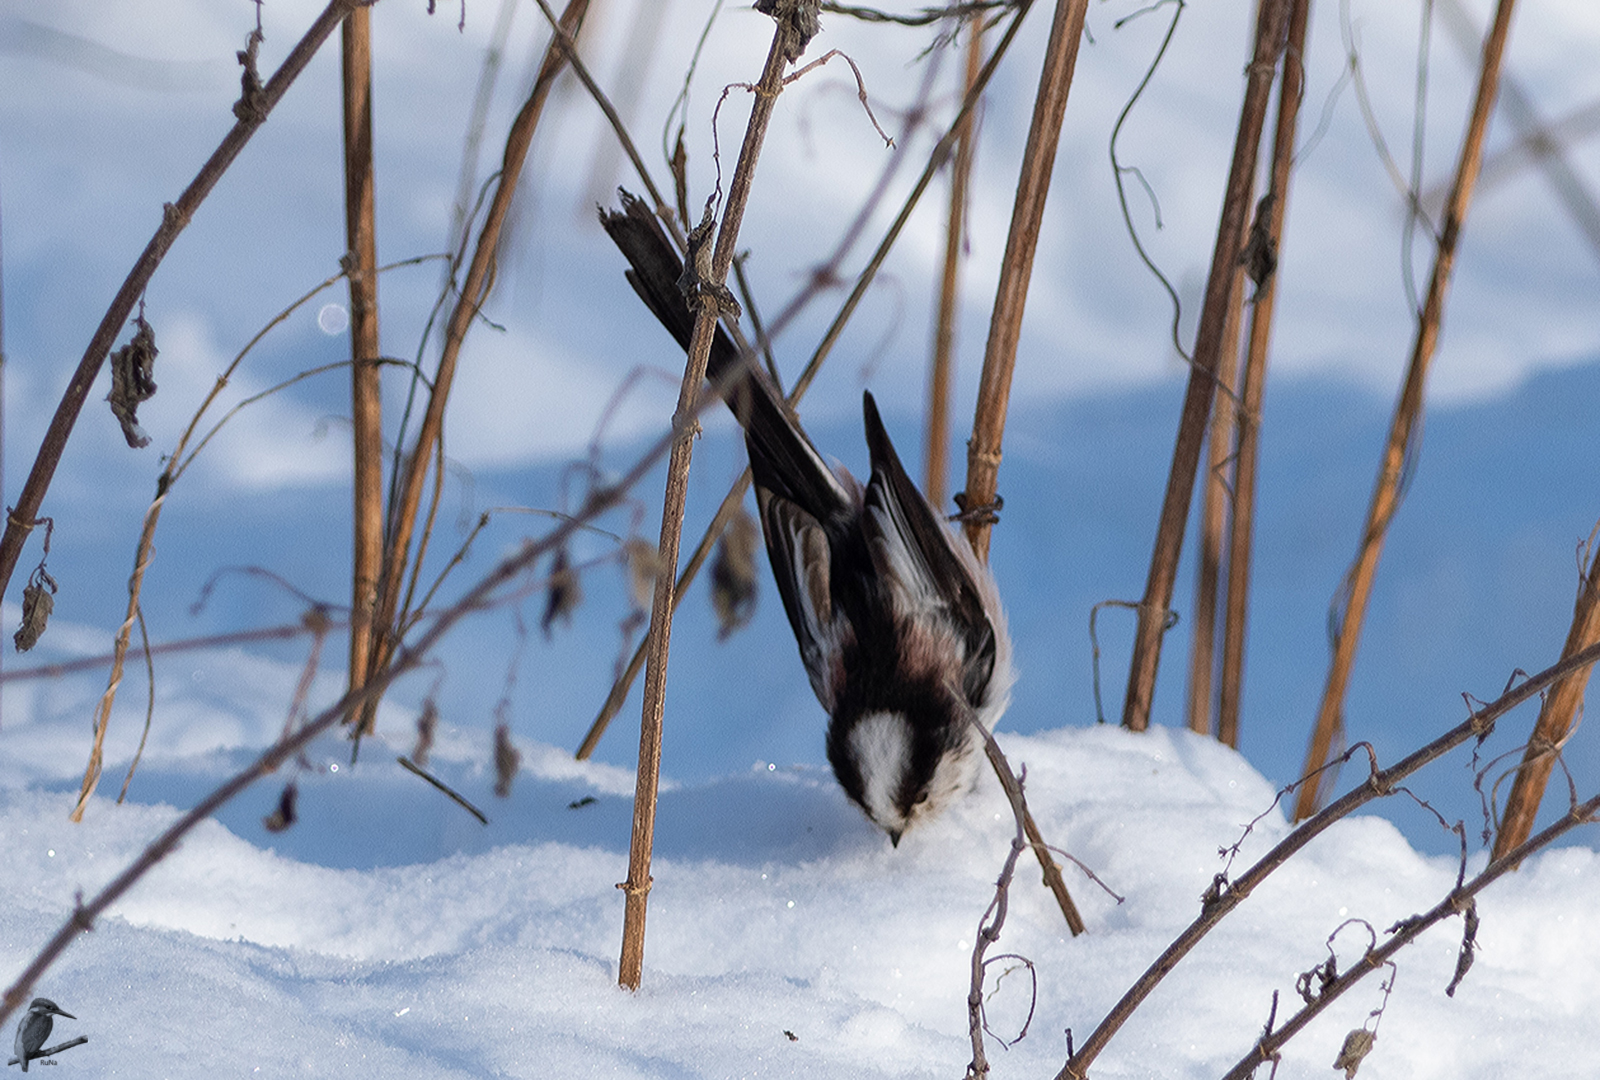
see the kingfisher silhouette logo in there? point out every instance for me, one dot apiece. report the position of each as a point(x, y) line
point(33, 1030)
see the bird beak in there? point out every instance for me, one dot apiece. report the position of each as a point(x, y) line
point(894, 837)
point(68, 1015)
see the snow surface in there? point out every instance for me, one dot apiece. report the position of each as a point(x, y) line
point(777, 911)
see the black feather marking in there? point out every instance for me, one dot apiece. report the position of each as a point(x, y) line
point(927, 543)
point(795, 470)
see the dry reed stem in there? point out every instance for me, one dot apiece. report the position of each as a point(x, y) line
point(1270, 23)
point(102, 714)
point(1459, 900)
point(935, 483)
point(474, 290)
point(1047, 863)
point(366, 409)
point(647, 778)
point(1560, 706)
point(1016, 267)
point(175, 217)
point(1226, 895)
point(1213, 519)
point(1407, 413)
point(1291, 88)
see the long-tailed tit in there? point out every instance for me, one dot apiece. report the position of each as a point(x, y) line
point(899, 626)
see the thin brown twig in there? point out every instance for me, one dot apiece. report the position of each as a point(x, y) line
point(1555, 717)
point(659, 205)
point(177, 464)
point(1016, 267)
point(402, 512)
point(283, 632)
point(1214, 507)
point(925, 17)
point(1459, 901)
point(149, 708)
point(1225, 896)
point(1291, 89)
point(1271, 21)
point(1051, 871)
point(936, 159)
point(102, 716)
point(175, 216)
point(994, 917)
point(785, 46)
point(366, 403)
point(937, 451)
point(1407, 413)
point(455, 796)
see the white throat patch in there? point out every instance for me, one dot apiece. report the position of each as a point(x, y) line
point(880, 744)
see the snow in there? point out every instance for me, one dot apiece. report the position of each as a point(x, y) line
point(776, 910)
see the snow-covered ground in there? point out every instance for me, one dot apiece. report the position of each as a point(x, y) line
point(785, 937)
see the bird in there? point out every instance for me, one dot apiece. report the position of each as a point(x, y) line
point(34, 1028)
point(900, 627)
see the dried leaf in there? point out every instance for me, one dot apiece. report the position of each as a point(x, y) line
point(680, 175)
point(697, 279)
point(563, 593)
point(644, 563)
point(427, 721)
point(133, 382)
point(800, 17)
point(38, 601)
point(733, 575)
point(506, 760)
point(1357, 1045)
point(1469, 946)
point(284, 816)
point(251, 106)
point(1260, 256)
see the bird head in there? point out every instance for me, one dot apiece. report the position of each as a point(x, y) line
point(901, 770)
point(46, 1007)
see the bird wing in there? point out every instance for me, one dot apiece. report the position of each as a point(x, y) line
point(915, 554)
point(802, 567)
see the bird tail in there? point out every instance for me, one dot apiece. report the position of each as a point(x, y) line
point(782, 457)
